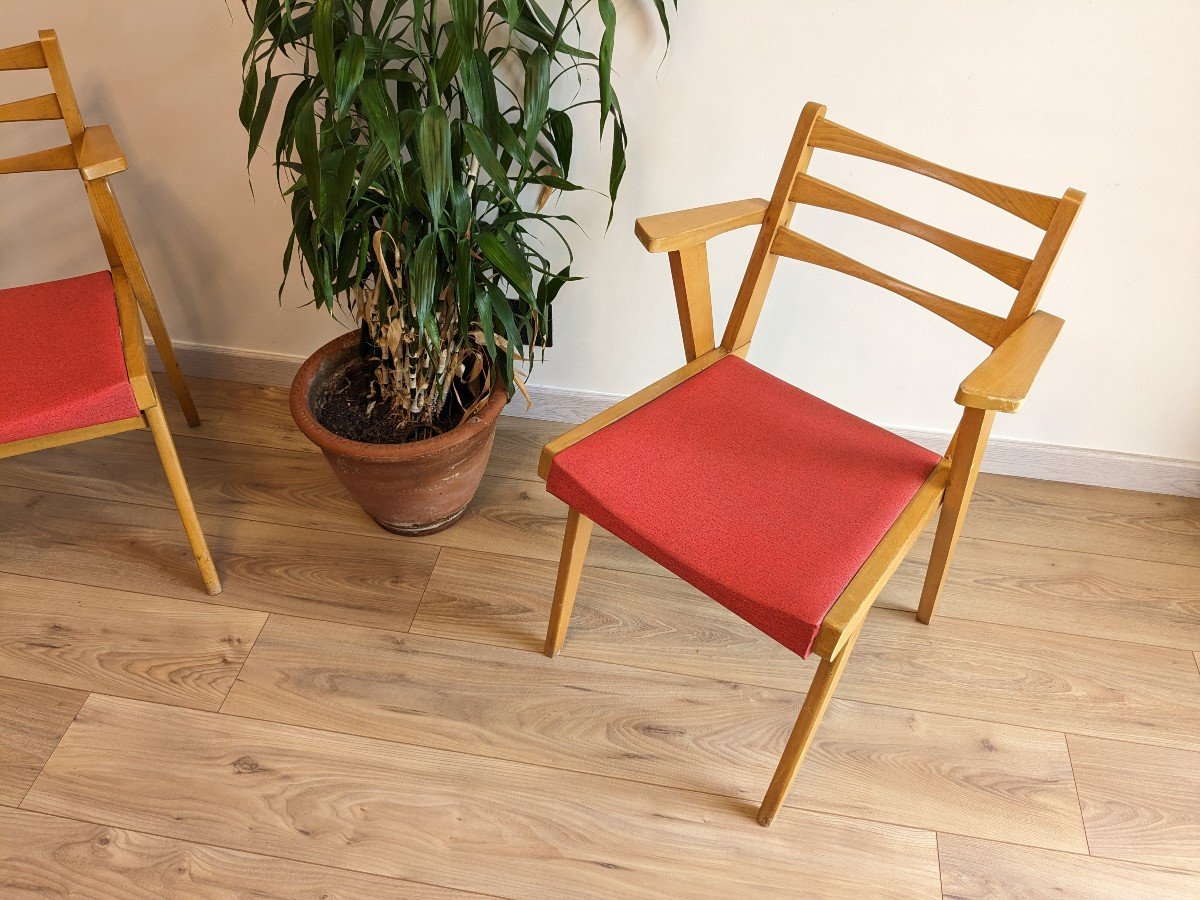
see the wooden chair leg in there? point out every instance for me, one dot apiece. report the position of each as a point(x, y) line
point(183, 497)
point(166, 353)
point(819, 694)
point(570, 567)
point(970, 442)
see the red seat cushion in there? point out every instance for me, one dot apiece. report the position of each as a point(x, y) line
point(765, 497)
point(61, 365)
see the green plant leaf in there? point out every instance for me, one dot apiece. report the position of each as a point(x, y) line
point(323, 44)
point(433, 153)
point(553, 181)
point(480, 90)
point(608, 13)
point(616, 172)
point(661, 6)
point(562, 139)
point(249, 97)
point(337, 191)
point(259, 120)
point(381, 117)
point(306, 147)
point(449, 61)
point(351, 65)
point(503, 311)
point(466, 15)
point(422, 274)
point(531, 29)
point(483, 308)
point(464, 274)
point(487, 159)
point(460, 203)
point(512, 266)
point(374, 162)
point(537, 94)
point(379, 50)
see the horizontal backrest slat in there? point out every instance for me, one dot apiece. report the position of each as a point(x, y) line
point(982, 325)
point(1008, 267)
point(56, 158)
point(23, 56)
point(31, 110)
point(1035, 208)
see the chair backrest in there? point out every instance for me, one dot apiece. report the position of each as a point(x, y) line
point(795, 186)
point(43, 53)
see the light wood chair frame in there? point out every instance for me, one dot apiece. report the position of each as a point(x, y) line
point(93, 151)
point(1018, 342)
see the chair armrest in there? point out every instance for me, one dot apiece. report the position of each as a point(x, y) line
point(1002, 381)
point(677, 230)
point(99, 154)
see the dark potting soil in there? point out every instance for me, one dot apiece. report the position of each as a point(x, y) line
point(343, 406)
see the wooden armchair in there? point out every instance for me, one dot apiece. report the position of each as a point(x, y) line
point(785, 509)
point(72, 356)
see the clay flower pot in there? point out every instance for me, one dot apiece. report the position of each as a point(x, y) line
point(416, 488)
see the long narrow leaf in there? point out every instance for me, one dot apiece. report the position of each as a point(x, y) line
point(433, 153)
point(323, 48)
point(506, 262)
point(537, 94)
point(350, 68)
point(487, 158)
point(306, 147)
point(608, 13)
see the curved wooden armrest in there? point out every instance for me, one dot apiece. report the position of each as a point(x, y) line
point(99, 154)
point(688, 227)
point(1002, 381)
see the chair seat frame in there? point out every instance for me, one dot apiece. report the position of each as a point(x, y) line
point(94, 152)
point(1019, 345)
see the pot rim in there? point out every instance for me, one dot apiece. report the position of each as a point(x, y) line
point(479, 422)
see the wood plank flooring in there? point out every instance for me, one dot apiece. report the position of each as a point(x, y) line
point(361, 715)
point(129, 645)
point(46, 856)
point(33, 718)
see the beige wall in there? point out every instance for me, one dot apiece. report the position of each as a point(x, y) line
point(1095, 94)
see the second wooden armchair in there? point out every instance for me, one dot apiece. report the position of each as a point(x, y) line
point(789, 511)
point(72, 356)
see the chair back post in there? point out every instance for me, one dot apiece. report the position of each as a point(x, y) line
point(1030, 291)
point(757, 280)
point(57, 66)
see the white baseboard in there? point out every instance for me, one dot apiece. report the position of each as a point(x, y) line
point(230, 363)
point(1049, 462)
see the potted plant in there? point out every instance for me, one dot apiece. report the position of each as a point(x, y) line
point(418, 145)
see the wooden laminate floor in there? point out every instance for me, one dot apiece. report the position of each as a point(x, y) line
point(361, 715)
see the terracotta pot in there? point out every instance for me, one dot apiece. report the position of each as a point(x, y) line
point(416, 488)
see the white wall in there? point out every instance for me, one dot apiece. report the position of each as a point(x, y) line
point(1095, 94)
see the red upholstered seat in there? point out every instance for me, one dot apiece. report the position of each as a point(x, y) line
point(61, 365)
point(757, 493)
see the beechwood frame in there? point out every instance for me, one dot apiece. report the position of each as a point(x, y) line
point(93, 151)
point(1019, 344)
